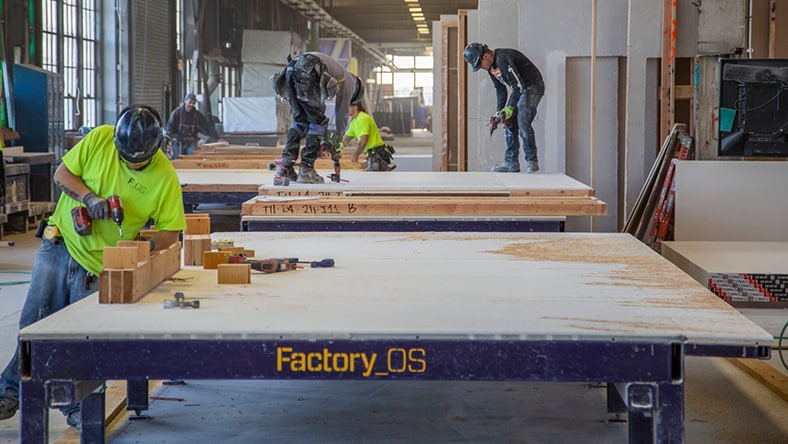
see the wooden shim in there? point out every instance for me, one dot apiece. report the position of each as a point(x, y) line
point(765, 374)
point(120, 257)
point(211, 259)
point(143, 249)
point(341, 206)
point(232, 250)
point(198, 223)
point(234, 273)
point(127, 286)
point(193, 247)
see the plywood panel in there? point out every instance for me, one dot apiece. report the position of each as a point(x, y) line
point(435, 285)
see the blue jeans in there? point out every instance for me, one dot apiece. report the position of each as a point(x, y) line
point(57, 281)
point(185, 148)
point(522, 117)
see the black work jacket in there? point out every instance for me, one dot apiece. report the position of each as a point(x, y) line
point(518, 73)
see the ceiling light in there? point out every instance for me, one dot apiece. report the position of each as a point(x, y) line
point(411, 1)
point(423, 31)
point(417, 14)
point(414, 9)
point(418, 19)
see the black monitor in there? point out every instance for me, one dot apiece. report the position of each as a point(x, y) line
point(753, 108)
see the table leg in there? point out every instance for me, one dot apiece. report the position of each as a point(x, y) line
point(92, 409)
point(34, 420)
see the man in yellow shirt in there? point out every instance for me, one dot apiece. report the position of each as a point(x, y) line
point(365, 130)
point(124, 160)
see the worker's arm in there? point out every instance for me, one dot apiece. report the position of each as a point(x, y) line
point(163, 239)
point(362, 142)
point(71, 184)
point(75, 188)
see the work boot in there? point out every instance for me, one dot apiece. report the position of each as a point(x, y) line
point(533, 166)
point(8, 407)
point(74, 419)
point(289, 172)
point(506, 167)
point(391, 166)
point(307, 174)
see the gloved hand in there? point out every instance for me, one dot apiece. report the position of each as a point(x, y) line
point(505, 115)
point(338, 152)
point(97, 207)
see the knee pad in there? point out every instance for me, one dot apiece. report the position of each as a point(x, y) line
point(316, 130)
point(299, 128)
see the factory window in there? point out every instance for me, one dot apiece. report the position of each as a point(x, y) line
point(69, 48)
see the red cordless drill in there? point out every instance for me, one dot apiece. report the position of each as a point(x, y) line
point(116, 212)
point(82, 222)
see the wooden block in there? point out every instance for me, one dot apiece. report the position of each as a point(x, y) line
point(120, 257)
point(146, 234)
point(232, 250)
point(143, 249)
point(198, 224)
point(125, 286)
point(193, 247)
point(211, 259)
point(234, 273)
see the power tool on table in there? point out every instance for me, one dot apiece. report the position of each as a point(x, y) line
point(280, 179)
point(277, 264)
point(272, 265)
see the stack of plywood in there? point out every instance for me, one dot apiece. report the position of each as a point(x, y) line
point(406, 194)
point(735, 271)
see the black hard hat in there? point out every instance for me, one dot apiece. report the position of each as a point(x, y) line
point(473, 55)
point(138, 133)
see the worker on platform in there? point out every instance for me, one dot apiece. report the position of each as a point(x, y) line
point(124, 160)
point(306, 83)
point(184, 126)
point(364, 129)
point(510, 67)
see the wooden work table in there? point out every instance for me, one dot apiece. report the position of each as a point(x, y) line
point(407, 306)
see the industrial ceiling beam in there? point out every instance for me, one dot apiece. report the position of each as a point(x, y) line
point(312, 11)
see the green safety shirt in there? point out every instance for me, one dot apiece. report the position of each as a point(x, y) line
point(151, 193)
point(363, 124)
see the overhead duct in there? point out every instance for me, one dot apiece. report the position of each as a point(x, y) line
point(314, 12)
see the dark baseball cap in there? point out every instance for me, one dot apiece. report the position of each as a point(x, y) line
point(190, 96)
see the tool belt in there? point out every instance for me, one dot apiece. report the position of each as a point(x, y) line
point(385, 152)
point(49, 232)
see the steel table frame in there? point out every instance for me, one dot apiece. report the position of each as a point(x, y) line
point(599, 308)
point(650, 372)
point(469, 224)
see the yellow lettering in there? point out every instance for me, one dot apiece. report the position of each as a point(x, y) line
point(368, 364)
point(344, 366)
point(313, 367)
point(326, 357)
point(280, 358)
point(298, 362)
point(417, 355)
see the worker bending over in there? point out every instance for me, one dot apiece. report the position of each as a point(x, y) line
point(306, 83)
point(364, 129)
point(124, 161)
point(510, 67)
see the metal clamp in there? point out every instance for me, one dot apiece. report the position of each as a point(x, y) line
point(180, 301)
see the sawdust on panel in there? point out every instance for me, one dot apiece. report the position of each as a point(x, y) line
point(585, 249)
